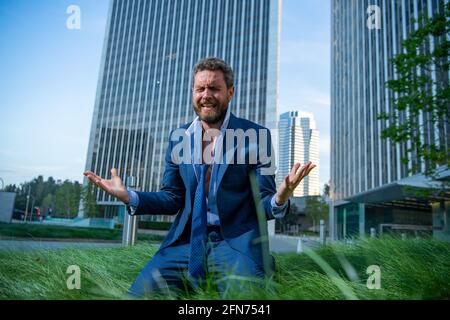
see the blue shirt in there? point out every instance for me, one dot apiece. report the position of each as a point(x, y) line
point(196, 129)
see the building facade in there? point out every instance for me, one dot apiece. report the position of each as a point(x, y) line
point(363, 165)
point(145, 79)
point(298, 141)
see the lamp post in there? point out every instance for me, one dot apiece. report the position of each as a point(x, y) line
point(129, 222)
point(28, 200)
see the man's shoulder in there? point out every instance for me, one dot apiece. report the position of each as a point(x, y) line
point(244, 124)
point(183, 127)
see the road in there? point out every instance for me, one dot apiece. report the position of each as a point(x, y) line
point(51, 245)
point(285, 244)
point(278, 244)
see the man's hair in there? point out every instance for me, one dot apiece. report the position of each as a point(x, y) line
point(214, 64)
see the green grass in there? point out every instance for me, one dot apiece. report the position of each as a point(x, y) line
point(410, 269)
point(31, 231)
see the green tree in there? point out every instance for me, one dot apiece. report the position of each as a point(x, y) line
point(48, 203)
point(420, 99)
point(68, 198)
point(316, 209)
point(91, 209)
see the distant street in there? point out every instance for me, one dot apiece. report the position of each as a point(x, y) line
point(51, 245)
point(278, 244)
point(285, 244)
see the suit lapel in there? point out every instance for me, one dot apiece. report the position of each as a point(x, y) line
point(228, 154)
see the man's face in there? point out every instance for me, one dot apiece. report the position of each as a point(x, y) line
point(210, 96)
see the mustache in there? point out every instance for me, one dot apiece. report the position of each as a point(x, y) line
point(209, 101)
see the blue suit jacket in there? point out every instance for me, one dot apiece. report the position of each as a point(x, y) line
point(233, 200)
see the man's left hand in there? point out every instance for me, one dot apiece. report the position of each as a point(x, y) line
point(291, 181)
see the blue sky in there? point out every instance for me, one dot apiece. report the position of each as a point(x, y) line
point(48, 80)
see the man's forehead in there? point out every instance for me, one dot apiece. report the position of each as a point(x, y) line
point(208, 77)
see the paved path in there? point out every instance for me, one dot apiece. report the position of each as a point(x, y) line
point(50, 245)
point(284, 244)
point(279, 244)
point(152, 231)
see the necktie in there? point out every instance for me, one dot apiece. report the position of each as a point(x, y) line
point(199, 227)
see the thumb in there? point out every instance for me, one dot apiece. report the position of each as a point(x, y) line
point(113, 172)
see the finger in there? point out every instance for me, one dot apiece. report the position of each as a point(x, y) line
point(90, 174)
point(310, 169)
point(91, 178)
point(307, 169)
point(303, 172)
point(113, 172)
point(299, 174)
point(101, 184)
point(94, 180)
point(286, 181)
point(295, 168)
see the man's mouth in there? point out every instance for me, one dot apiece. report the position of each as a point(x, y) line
point(208, 105)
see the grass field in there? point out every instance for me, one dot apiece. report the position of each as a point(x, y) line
point(410, 269)
point(31, 231)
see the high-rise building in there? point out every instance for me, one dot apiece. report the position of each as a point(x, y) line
point(367, 173)
point(145, 79)
point(298, 141)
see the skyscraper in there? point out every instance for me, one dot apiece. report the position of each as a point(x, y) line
point(144, 85)
point(298, 142)
point(366, 169)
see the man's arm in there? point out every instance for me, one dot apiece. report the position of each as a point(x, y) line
point(276, 202)
point(265, 177)
point(167, 201)
point(171, 197)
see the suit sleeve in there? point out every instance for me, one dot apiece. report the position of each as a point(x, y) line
point(170, 199)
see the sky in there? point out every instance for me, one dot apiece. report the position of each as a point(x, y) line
point(49, 73)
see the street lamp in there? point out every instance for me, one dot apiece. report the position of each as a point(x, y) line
point(28, 200)
point(129, 222)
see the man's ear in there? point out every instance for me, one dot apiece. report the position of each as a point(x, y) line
point(230, 93)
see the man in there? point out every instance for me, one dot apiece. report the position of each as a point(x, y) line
point(216, 230)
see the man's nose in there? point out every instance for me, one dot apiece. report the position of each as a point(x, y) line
point(207, 93)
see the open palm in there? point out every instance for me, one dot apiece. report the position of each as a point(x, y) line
point(292, 180)
point(114, 186)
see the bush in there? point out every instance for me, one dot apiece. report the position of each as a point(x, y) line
point(154, 225)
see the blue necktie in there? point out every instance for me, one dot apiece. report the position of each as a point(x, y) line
point(199, 228)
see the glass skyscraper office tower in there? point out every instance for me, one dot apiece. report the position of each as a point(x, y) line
point(361, 161)
point(298, 142)
point(144, 86)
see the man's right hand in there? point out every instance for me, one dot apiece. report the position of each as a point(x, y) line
point(114, 187)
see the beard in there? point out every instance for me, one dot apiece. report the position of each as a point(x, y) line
point(212, 115)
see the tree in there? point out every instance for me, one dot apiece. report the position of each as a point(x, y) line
point(68, 198)
point(48, 203)
point(91, 209)
point(326, 191)
point(316, 209)
point(420, 99)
